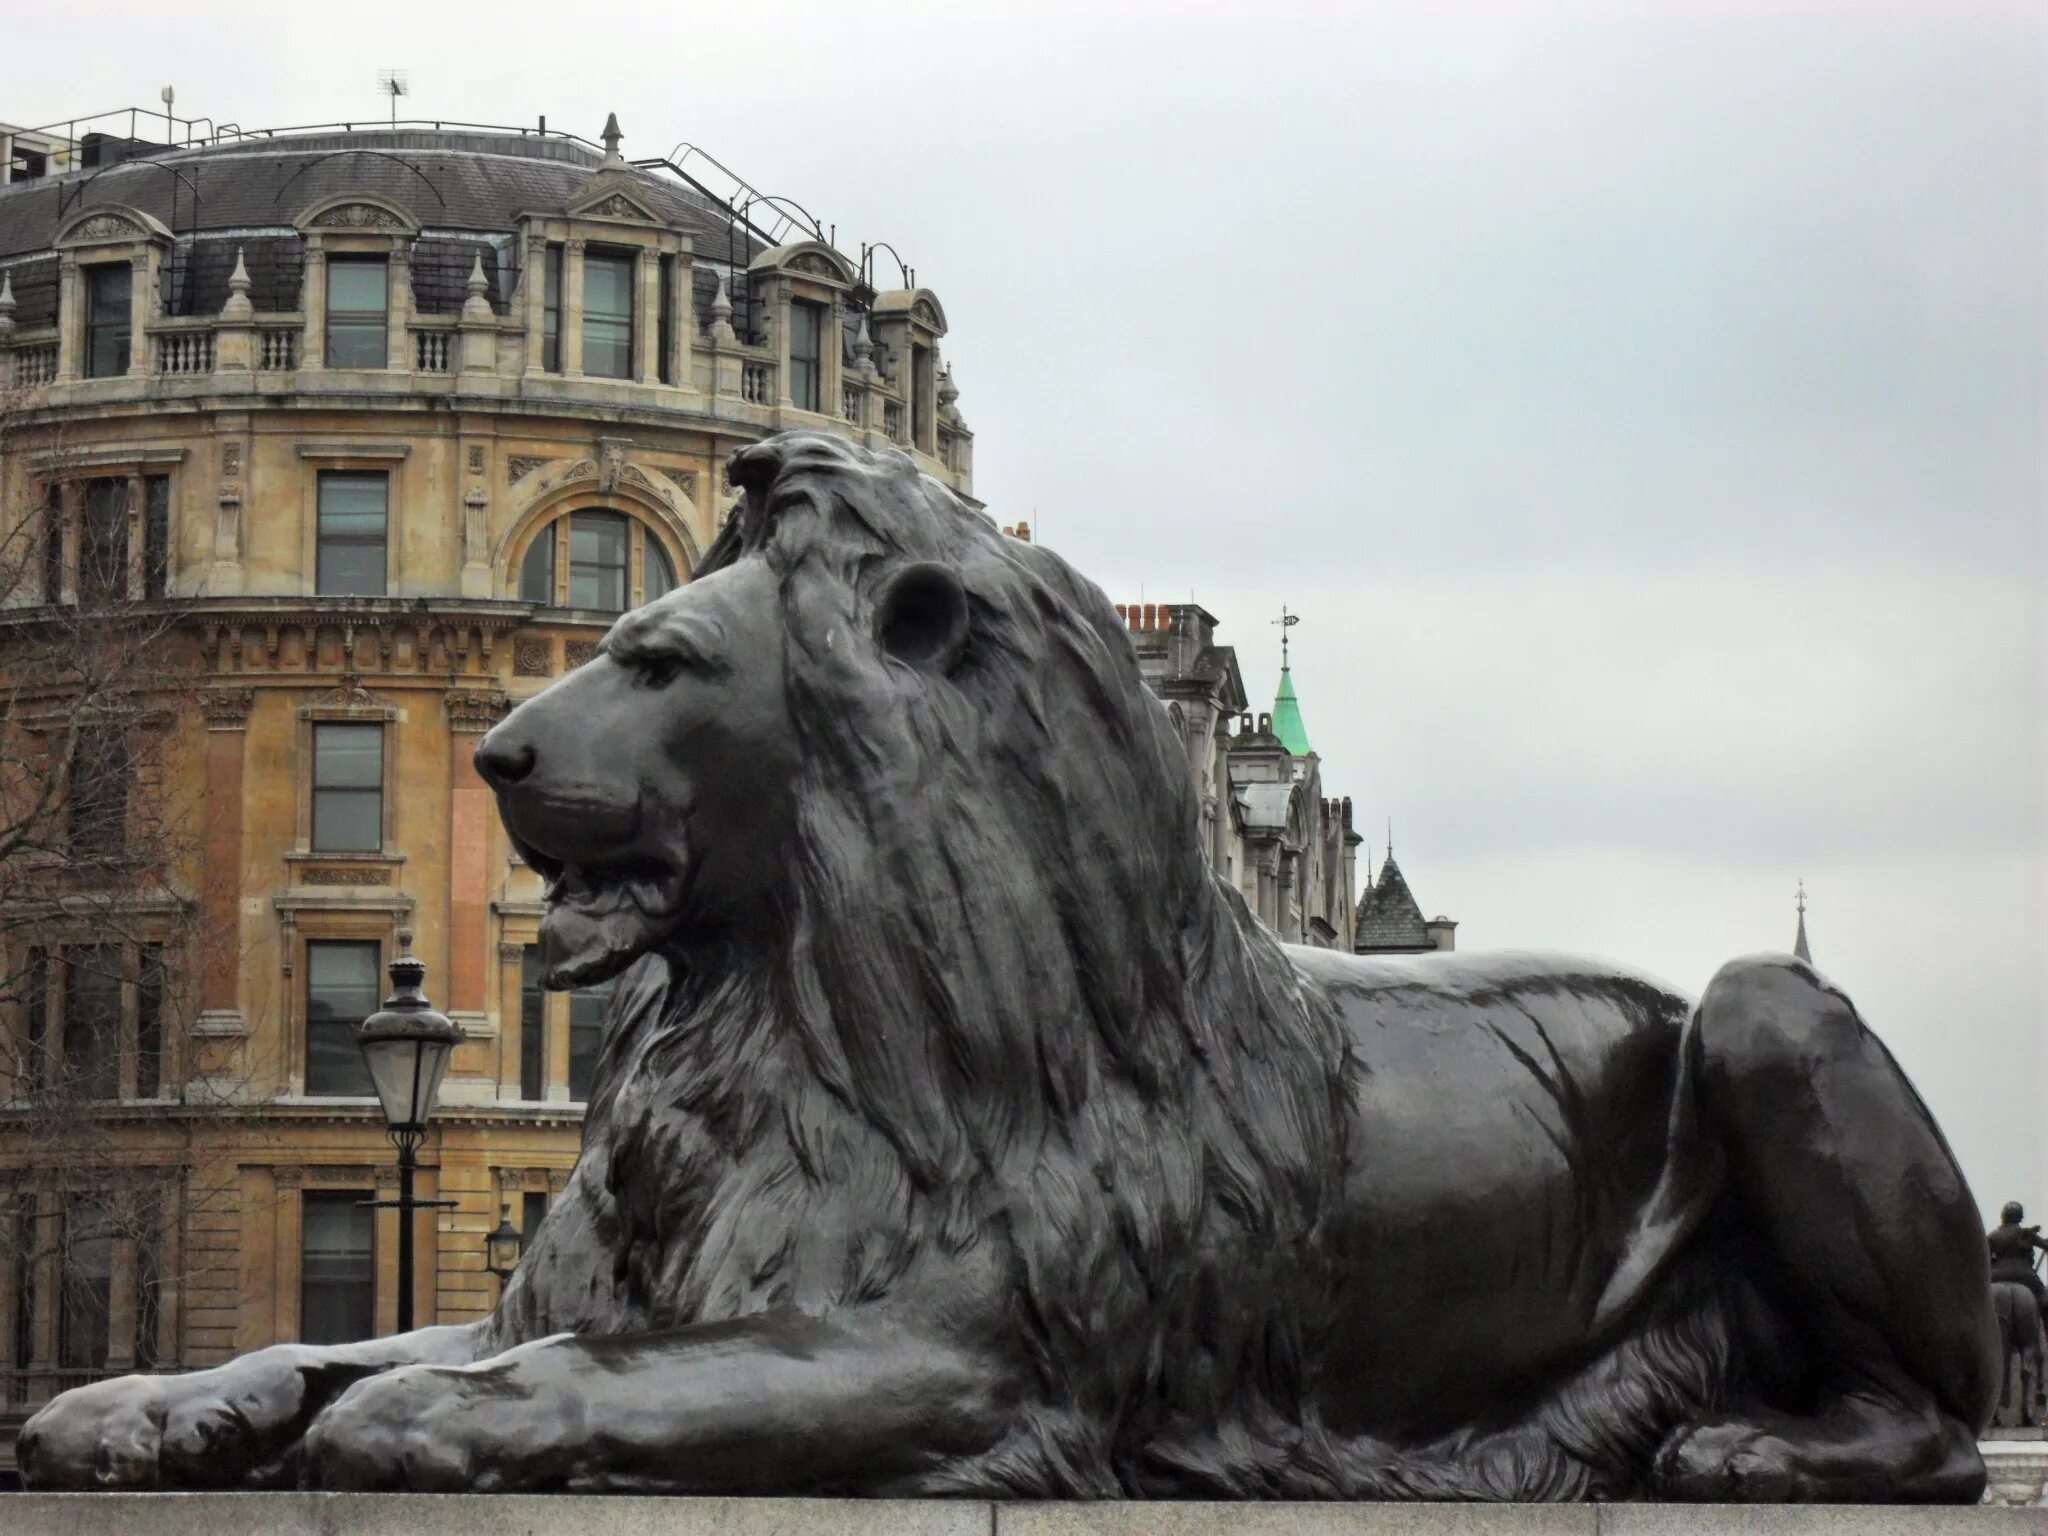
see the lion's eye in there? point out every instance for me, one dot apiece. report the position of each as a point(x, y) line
point(656, 671)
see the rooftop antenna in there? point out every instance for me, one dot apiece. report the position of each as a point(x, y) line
point(167, 96)
point(392, 83)
point(1286, 621)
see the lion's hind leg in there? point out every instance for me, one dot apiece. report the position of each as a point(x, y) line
point(1850, 1217)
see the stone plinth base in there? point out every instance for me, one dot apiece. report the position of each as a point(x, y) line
point(315, 1514)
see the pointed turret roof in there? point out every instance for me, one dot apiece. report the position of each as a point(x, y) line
point(1389, 917)
point(1799, 948)
point(1287, 717)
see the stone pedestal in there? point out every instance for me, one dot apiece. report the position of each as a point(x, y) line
point(293, 1514)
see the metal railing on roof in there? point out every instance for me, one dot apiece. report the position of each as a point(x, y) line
point(783, 216)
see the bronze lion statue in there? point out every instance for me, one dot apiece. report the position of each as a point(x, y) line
point(958, 1131)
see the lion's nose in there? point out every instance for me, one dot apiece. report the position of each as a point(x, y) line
point(502, 762)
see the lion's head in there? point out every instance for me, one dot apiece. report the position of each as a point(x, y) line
point(853, 624)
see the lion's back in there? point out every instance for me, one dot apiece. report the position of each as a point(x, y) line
point(1513, 1115)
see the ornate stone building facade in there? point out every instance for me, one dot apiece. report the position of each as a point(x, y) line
point(1266, 823)
point(395, 422)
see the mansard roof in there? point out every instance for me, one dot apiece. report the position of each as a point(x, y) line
point(445, 180)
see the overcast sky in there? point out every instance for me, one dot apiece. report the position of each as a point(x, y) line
point(1642, 405)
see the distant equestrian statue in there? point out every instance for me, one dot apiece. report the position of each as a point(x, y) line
point(2019, 1298)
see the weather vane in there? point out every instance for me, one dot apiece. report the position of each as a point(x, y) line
point(1286, 621)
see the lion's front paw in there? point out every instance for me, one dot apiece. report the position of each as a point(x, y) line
point(1726, 1463)
point(105, 1435)
point(413, 1428)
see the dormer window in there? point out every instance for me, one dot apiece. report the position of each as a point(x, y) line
point(608, 315)
point(357, 311)
point(109, 333)
point(806, 355)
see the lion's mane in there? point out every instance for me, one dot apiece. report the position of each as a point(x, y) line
point(1010, 1022)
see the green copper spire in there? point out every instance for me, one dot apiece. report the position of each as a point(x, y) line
point(1287, 724)
point(1287, 717)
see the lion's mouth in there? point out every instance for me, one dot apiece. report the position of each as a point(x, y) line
point(603, 915)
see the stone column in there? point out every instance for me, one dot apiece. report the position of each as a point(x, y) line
point(572, 309)
point(70, 317)
point(511, 1040)
point(141, 310)
point(398, 355)
point(470, 714)
point(227, 721)
point(70, 496)
point(533, 287)
point(138, 537)
point(313, 300)
point(647, 337)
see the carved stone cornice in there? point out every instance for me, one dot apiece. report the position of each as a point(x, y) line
point(475, 710)
point(227, 709)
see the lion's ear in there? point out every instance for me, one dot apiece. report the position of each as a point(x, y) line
point(922, 616)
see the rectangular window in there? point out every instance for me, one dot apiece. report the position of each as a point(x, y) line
point(551, 311)
point(598, 542)
point(27, 1246)
point(608, 316)
point(92, 1021)
point(533, 1026)
point(664, 335)
point(108, 333)
point(348, 787)
point(341, 991)
point(337, 1268)
point(357, 310)
point(533, 1206)
point(35, 1003)
point(349, 559)
point(103, 542)
point(920, 395)
point(587, 1007)
point(806, 355)
point(149, 1023)
point(156, 536)
point(148, 1291)
point(96, 811)
point(86, 1288)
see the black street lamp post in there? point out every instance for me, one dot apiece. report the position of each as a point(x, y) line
point(406, 1045)
point(502, 1248)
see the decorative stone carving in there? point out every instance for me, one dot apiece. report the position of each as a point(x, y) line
point(926, 312)
point(814, 264)
point(576, 652)
point(476, 458)
point(230, 459)
point(105, 226)
point(558, 1180)
point(345, 874)
point(612, 465)
point(358, 216)
point(474, 711)
point(685, 479)
point(520, 465)
point(387, 1178)
point(616, 206)
point(289, 1176)
point(511, 954)
point(532, 656)
point(227, 709)
point(349, 693)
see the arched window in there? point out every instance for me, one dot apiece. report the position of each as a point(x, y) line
point(596, 559)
